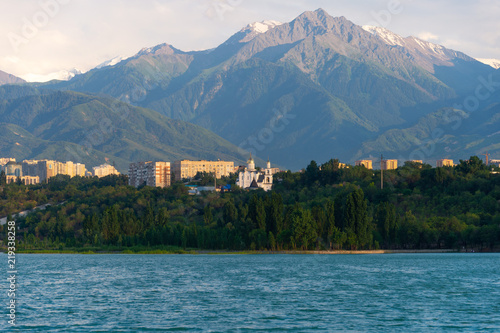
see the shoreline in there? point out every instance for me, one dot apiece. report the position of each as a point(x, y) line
point(264, 252)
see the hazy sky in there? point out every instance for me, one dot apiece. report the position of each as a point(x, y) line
point(39, 37)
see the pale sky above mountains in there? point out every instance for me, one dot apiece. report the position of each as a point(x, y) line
point(42, 37)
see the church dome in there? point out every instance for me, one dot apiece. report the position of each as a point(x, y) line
point(251, 163)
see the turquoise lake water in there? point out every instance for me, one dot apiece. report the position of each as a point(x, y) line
point(256, 293)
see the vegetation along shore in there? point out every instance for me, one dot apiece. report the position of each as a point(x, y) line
point(322, 208)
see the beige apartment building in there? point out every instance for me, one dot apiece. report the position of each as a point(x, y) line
point(45, 169)
point(14, 171)
point(188, 169)
point(389, 164)
point(156, 174)
point(104, 170)
point(366, 163)
point(444, 163)
point(26, 180)
point(5, 160)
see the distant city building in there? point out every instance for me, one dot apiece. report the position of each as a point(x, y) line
point(104, 170)
point(45, 169)
point(366, 163)
point(444, 163)
point(188, 169)
point(156, 174)
point(80, 170)
point(495, 162)
point(340, 166)
point(274, 171)
point(26, 180)
point(389, 164)
point(417, 163)
point(30, 167)
point(251, 178)
point(14, 169)
point(4, 161)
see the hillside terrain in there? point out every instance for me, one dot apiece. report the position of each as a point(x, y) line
point(92, 130)
point(6, 78)
point(316, 87)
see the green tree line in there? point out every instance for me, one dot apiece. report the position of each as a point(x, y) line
point(321, 208)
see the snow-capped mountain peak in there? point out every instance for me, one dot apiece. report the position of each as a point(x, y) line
point(262, 27)
point(111, 62)
point(252, 30)
point(495, 63)
point(433, 50)
point(388, 36)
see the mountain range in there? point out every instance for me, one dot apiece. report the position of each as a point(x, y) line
point(318, 87)
point(65, 125)
point(6, 78)
point(495, 63)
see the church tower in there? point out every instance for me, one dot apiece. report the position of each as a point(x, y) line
point(251, 163)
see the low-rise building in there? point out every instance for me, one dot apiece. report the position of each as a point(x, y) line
point(188, 169)
point(389, 164)
point(156, 174)
point(26, 180)
point(444, 163)
point(104, 170)
point(366, 163)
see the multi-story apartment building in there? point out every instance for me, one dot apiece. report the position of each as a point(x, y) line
point(444, 163)
point(155, 174)
point(45, 169)
point(14, 171)
point(366, 163)
point(30, 167)
point(389, 164)
point(4, 161)
point(495, 162)
point(188, 169)
point(104, 170)
point(80, 169)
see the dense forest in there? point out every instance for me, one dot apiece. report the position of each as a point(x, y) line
point(321, 208)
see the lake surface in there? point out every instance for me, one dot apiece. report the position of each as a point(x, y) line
point(262, 293)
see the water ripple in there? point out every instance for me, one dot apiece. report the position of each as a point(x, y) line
point(258, 293)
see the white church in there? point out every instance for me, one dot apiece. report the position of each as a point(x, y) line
point(252, 178)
